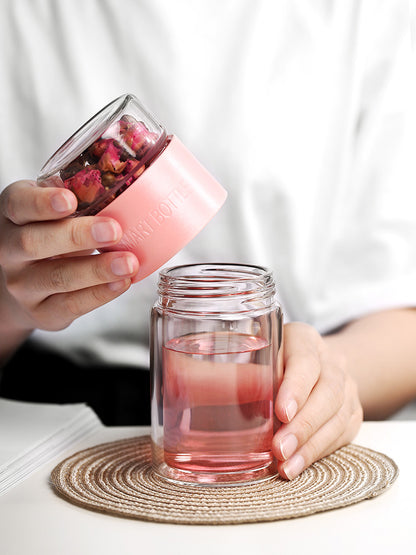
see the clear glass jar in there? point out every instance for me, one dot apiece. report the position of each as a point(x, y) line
point(107, 154)
point(216, 365)
point(123, 164)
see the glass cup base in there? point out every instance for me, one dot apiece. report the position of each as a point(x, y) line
point(237, 478)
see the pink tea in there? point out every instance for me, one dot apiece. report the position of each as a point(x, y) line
point(217, 402)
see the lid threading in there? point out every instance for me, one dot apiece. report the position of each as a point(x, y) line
point(216, 288)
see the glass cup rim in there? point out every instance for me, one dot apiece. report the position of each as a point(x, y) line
point(210, 270)
point(75, 144)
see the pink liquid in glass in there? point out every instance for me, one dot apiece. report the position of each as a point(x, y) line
point(218, 402)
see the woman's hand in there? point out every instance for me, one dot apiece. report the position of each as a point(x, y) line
point(46, 279)
point(317, 402)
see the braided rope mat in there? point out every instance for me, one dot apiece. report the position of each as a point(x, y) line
point(117, 478)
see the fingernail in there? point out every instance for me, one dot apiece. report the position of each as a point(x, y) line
point(122, 266)
point(288, 445)
point(118, 285)
point(291, 409)
point(294, 467)
point(61, 202)
point(105, 232)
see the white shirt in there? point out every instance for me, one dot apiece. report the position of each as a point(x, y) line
point(302, 109)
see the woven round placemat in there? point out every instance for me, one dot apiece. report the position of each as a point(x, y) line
point(117, 478)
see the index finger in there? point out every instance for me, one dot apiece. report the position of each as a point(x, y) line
point(24, 201)
point(302, 369)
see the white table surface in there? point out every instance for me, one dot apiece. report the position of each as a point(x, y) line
point(33, 520)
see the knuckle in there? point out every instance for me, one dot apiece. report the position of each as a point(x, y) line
point(336, 387)
point(51, 313)
point(77, 234)
point(311, 452)
point(340, 420)
point(334, 378)
point(27, 243)
point(352, 425)
point(100, 295)
point(348, 421)
point(353, 395)
point(100, 272)
point(6, 203)
point(38, 203)
point(306, 365)
point(306, 429)
point(77, 303)
point(358, 417)
point(6, 246)
point(17, 287)
point(58, 279)
point(45, 322)
point(12, 200)
point(14, 285)
point(72, 307)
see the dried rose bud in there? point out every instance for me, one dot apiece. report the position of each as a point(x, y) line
point(98, 147)
point(125, 123)
point(110, 160)
point(135, 135)
point(86, 184)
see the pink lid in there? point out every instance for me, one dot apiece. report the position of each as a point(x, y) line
point(166, 207)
